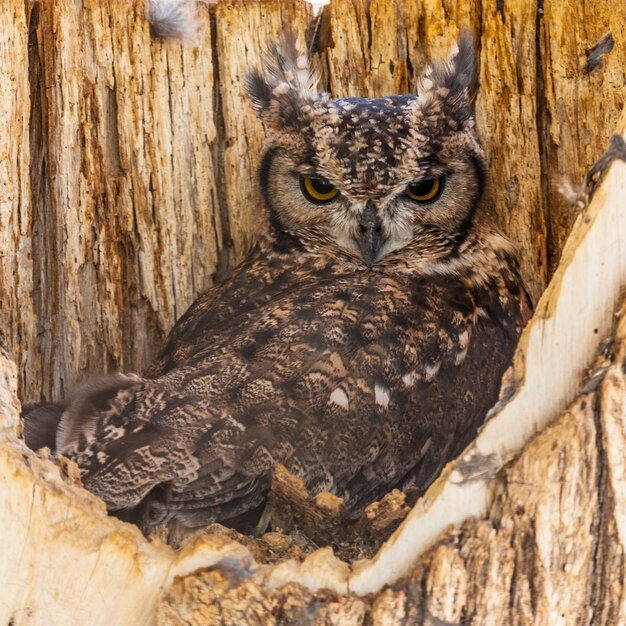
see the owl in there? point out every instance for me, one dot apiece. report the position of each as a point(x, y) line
point(360, 343)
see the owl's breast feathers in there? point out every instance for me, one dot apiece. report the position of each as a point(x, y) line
point(356, 381)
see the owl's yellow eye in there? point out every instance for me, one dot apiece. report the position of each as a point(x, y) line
point(317, 189)
point(425, 190)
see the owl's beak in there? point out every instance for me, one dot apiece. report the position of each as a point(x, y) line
point(370, 237)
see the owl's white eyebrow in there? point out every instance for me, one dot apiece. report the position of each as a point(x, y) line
point(307, 170)
point(433, 167)
point(312, 173)
point(430, 170)
point(428, 176)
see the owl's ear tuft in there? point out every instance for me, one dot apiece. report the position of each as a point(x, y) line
point(285, 83)
point(452, 82)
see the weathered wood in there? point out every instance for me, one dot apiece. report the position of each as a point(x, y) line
point(574, 119)
point(64, 561)
point(132, 219)
point(506, 111)
point(323, 519)
point(17, 307)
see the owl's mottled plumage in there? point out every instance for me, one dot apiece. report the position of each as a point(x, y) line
point(360, 344)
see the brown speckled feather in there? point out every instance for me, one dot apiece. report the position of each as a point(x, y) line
point(352, 380)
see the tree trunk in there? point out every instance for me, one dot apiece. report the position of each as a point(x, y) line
point(128, 185)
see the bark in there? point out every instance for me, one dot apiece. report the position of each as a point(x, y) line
point(572, 113)
point(17, 299)
point(130, 229)
point(142, 152)
point(130, 186)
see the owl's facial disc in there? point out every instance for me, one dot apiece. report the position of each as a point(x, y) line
point(425, 210)
point(365, 176)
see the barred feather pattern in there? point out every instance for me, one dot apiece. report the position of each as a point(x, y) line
point(355, 382)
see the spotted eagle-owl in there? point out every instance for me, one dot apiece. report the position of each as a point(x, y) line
point(360, 344)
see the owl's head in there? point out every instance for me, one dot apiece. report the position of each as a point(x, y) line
point(362, 178)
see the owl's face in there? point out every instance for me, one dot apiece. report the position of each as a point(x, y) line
point(363, 178)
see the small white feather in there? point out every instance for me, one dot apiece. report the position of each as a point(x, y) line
point(382, 395)
point(339, 397)
point(432, 371)
point(409, 379)
point(173, 18)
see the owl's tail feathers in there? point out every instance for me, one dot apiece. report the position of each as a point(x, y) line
point(59, 425)
point(41, 421)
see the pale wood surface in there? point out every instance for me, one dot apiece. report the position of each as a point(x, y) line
point(64, 561)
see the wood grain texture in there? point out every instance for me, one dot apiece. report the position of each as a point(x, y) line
point(577, 108)
point(143, 152)
point(132, 219)
point(17, 307)
point(506, 112)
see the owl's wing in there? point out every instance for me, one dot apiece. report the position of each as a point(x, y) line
point(208, 429)
point(443, 415)
point(258, 281)
point(353, 383)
